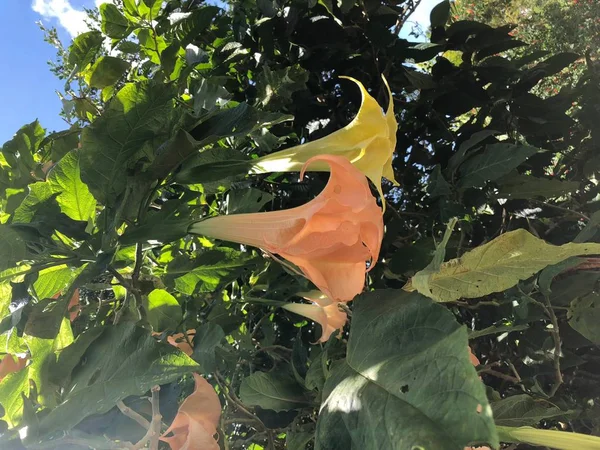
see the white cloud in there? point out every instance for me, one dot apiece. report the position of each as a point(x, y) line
point(70, 18)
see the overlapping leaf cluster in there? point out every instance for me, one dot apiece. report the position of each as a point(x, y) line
point(168, 103)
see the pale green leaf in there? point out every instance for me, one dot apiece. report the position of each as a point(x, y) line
point(496, 266)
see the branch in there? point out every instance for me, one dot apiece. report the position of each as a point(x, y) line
point(558, 378)
point(126, 410)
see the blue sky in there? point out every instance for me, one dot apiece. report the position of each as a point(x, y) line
point(27, 87)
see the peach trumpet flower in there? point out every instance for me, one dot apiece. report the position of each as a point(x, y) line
point(8, 365)
point(330, 238)
point(368, 142)
point(323, 311)
point(197, 419)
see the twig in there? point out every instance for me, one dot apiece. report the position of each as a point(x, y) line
point(560, 208)
point(156, 419)
point(232, 398)
point(558, 378)
point(126, 410)
point(501, 375)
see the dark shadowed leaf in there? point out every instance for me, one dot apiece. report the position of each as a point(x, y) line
point(134, 121)
point(125, 360)
point(276, 390)
point(406, 383)
point(495, 161)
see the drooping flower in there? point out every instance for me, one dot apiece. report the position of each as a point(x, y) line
point(180, 341)
point(330, 238)
point(196, 421)
point(323, 311)
point(369, 142)
point(8, 365)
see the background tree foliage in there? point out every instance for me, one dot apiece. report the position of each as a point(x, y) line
point(167, 101)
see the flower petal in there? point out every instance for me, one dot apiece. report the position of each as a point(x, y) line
point(197, 419)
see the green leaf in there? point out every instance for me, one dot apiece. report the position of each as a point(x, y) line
point(590, 229)
point(498, 265)
point(440, 14)
point(191, 26)
point(297, 440)
point(237, 121)
point(52, 280)
point(106, 71)
point(475, 140)
point(276, 390)
point(496, 329)
point(114, 24)
point(125, 360)
point(62, 142)
point(149, 9)
point(520, 410)
point(275, 88)
point(406, 383)
point(13, 247)
point(495, 161)
point(23, 145)
point(134, 120)
point(37, 193)
point(208, 337)
point(74, 197)
point(438, 186)
point(526, 187)
point(163, 310)
point(584, 316)
point(213, 268)
point(246, 200)
point(84, 48)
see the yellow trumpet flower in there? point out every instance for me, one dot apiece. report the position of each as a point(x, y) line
point(368, 142)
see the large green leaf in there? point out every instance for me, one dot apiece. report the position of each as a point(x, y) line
point(495, 161)
point(584, 316)
point(276, 390)
point(74, 198)
point(23, 145)
point(190, 25)
point(114, 24)
point(525, 187)
point(52, 280)
point(210, 270)
point(84, 48)
point(407, 382)
point(134, 121)
point(496, 266)
point(520, 410)
point(125, 360)
point(106, 71)
point(163, 310)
